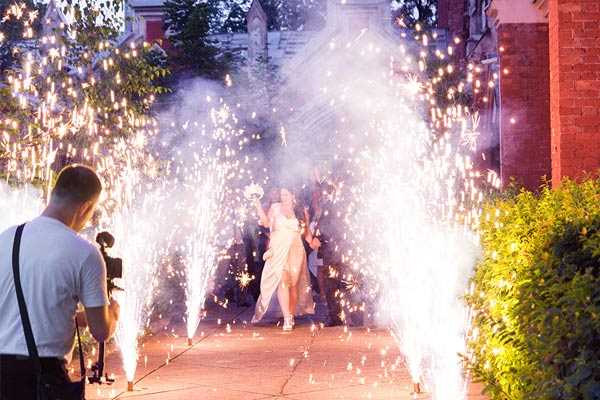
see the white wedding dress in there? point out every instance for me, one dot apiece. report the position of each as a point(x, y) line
point(285, 260)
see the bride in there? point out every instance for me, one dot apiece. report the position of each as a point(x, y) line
point(285, 270)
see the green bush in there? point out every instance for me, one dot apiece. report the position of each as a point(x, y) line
point(536, 297)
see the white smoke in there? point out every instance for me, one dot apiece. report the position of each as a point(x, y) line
point(358, 107)
point(19, 204)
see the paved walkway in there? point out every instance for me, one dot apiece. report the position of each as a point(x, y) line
point(239, 361)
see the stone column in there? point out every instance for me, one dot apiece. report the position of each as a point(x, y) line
point(257, 40)
point(524, 92)
point(258, 58)
point(575, 87)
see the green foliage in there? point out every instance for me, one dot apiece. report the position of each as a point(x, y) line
point(235, 20)
point(133, 75)
point(413, 12)
point(299, 15)
point(448, 86)
point(109, 86)
point(12, 29)
point(294, 15)
point(179, 18)
point(93, 23)
point(138, 83)
point(189, 23)
point(537, 296)
point(140, 71)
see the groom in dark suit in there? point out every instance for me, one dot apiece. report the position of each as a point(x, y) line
point(328, 233)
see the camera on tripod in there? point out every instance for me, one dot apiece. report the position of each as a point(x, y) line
point(114, 266)
point(114, 270)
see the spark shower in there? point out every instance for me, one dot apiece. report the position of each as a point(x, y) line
point(410, 190)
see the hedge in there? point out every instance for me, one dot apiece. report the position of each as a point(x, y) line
point(536, 296)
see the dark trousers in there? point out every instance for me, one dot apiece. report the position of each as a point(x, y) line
point(18, 380)
point(333, 288)
point(255, 267)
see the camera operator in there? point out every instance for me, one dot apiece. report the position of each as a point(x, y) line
point(58, 270)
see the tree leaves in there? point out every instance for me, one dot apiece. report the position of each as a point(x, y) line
point(541, 338)
point(413, 12)
point(190, 24)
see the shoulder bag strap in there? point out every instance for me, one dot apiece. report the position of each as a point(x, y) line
point(31, 347)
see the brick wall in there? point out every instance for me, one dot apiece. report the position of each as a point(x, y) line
point(442, 14)
point(457, 23)
point(575, 87)
point(452, 16)
point(525, 103)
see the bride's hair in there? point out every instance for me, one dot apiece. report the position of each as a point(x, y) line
point(290, 191)
point(273, 197)
point(297, 206)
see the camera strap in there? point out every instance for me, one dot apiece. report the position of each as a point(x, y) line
point(31, 346)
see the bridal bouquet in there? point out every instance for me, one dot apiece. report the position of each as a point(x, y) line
point(253, 192)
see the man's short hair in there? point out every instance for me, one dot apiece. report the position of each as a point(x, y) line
point(77, 184)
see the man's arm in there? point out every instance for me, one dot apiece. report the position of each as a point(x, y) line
point(101, 313)
point(102, 321)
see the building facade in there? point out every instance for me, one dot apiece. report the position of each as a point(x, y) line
point(533, 65)
point(536, 81)
point(145, 20)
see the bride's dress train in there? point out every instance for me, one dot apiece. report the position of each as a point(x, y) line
point(285, 267)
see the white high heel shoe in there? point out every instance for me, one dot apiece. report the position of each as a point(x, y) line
point(288, 324)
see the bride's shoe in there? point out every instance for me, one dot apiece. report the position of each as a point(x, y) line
point(288, 324)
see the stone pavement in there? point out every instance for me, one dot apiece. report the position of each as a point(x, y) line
point(233, 360)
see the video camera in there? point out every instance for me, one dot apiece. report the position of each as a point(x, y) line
point(114, 266)
point(114, 270)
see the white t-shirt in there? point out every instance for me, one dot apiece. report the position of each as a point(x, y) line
point(58, 269)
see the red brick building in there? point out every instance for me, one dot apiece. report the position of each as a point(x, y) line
point(146, 19)
point(535, 65)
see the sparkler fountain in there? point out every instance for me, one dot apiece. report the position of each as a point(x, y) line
point(411, 197)
point(425, 257)
point(139, 226)
point(207, 184)
point(208, 200)
point(136, 230)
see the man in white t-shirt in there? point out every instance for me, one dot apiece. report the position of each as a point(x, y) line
point(58, 270)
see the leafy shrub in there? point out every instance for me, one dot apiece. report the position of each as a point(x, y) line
point(536, 297)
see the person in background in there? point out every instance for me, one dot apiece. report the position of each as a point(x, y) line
point(312, 216)
point(328, 234)
point(58, 270)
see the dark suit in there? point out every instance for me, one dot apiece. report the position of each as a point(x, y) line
point(255, 243)
point(329, 233)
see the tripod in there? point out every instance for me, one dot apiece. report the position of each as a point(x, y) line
point(98, 375)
